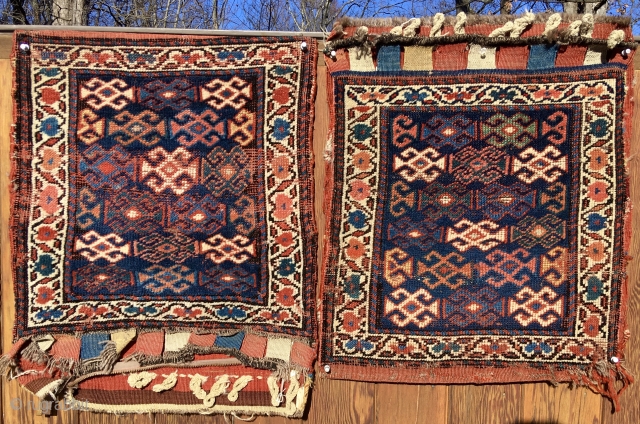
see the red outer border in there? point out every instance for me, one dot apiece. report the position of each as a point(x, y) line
point(451, 375)
point(623, 332)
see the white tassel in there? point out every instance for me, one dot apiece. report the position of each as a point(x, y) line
point(587, 25)
point(552, 23)
point(503, 30)
point(411, 27)
point(238, 385)
point(438, 23)
point(461, 21)
point(141, 379)
point(168, 384)
point(615, 38)
point(521, 24)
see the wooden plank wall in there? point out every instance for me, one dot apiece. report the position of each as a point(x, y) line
point(354, 402)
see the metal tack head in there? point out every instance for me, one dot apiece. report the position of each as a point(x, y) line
point(615, 359)
point(24, 47)
point(626, 52)
point(303, 45)
point(333, 53)
point(327, 368)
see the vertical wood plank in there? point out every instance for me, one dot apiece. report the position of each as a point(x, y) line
point(542, 402)
point(484, 404)
point(411, 403)
point(397, 403)
point(345, 402)
point(629, 400)
point(434, 404)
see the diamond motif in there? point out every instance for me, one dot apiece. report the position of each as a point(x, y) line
point(172, 279)
point(226, 171)
point(483, 235)
point(173, 246)
point(190, 214)
point(404, 308)
point(145, 127)
point(107, 279)
point(232, 93)
point(176, 93)
point(423, 165)
point(176, 171)
point(114, 93)
point(94, 246)
point(237, 249)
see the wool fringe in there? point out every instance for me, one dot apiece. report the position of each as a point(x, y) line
point(604, 379)
point(69, 368)
point(33, 353)
point(7, 365)
point(102, 364)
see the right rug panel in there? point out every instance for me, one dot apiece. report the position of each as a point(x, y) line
point(478, 201)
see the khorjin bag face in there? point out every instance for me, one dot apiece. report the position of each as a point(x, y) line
point(162, 217)
point(479, 215)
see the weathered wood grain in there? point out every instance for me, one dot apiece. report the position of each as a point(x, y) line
point(411, 404)
point(484, 404)
point(345, 402)
point(543, 403)
point(434, 404)
point(393, 405)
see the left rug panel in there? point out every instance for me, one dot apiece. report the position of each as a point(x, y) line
point(162, 228)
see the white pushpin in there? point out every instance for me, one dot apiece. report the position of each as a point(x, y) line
point(615, 359)
point(327, 368)
point(24, 47)
point(303, 45)
point(333, 53)
point(626, 52)
point(483, 52)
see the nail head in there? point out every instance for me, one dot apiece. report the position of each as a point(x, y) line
point(303, 45)
point(24, 47)
point(327, 368)
point(615, 359)
point(333, 53)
